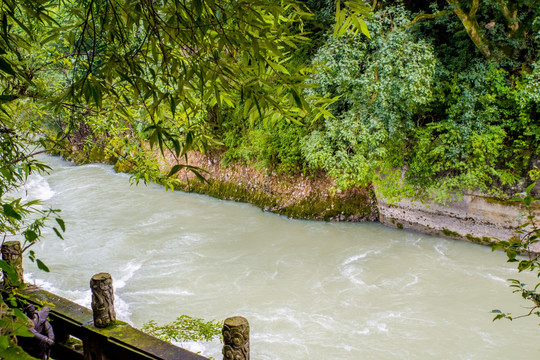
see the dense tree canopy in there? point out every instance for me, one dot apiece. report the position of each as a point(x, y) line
point(121, 77)
point(440, 97)
point(439, 102)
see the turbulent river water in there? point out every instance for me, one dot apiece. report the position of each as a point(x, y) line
point(310, 290)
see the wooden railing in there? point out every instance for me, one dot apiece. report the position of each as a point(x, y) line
point(73, 326)
point(84, 334)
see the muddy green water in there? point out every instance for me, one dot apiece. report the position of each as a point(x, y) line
point(310, 290)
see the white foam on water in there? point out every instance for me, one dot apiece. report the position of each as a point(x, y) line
point(350, 268)
point(415, 243)
point(355, 258)
point(278, 338)
point(162, 292)
point(496, 278)
point(81, 297)
point(327, 322)
point(127, 273)
point(122, 309)
point(351, 273)
point(487, 338)
point(204, 348)
point(378, 326)
point(393, 314)
point(101, 166)
point(280, 315)
point(364, 331)
point(441, 248)
point(35, 188)
point(413, 282)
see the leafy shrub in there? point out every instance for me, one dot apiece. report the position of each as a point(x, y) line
point(414, 122)
point(275, 146)
point(185, 328)
point(384, 84)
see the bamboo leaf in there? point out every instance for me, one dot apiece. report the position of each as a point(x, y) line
point(61, 223)
point(42, 266)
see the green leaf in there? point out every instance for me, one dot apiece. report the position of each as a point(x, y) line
point(523, 265)
point(61, 223)
point(7, 98)
point(199, 176)
point(6, 67)
point(10, 211)
point(173, 105)
point(42, 266)
point(30, 236)
point(197, 5)
point(296, 98)
point(19, 314)
point(4, 342)
point(175, 169)
point(364, 28)
point(23, 331)
point(278, 67)
point(58, 233)
point(8, 269)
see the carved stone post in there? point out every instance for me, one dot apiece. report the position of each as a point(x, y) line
point(11, 253)
point(236, 339)
point(102, 300)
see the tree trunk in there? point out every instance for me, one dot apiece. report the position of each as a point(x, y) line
point(471, 25)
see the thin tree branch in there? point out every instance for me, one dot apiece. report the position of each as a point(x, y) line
point(429, 16)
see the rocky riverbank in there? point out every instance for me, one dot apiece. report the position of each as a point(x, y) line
point(476, 218)
point(301, 197)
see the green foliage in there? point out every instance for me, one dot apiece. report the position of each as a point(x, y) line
point(184, 328)
point(12, 323)
point(19, 220)
point(119, 78)
point(119, 75)
point(419, 115)
point(519, 251)
point(275, 147)
point(382, 84)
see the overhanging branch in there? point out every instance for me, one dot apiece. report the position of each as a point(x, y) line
point(428, 16)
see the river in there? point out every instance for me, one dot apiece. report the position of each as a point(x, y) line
point(310, 290)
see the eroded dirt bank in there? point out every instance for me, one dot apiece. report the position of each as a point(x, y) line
point(301, 197)
point(475, 218)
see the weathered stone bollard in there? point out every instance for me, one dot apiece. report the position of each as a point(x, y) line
point(11, 253)
point(102, 300)
point(235, 339)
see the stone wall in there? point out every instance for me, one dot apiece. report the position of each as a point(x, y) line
point(476, 218)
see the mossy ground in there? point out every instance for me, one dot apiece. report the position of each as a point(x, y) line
point(451, 233)
point(355, 207)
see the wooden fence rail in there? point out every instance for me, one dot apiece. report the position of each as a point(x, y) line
point(84, 334)
point(117, 341)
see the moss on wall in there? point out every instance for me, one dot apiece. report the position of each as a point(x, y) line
point(354, 208)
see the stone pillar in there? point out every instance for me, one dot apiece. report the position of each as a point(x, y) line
point(102, 300)
point(236, 339)
point(11, 253)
